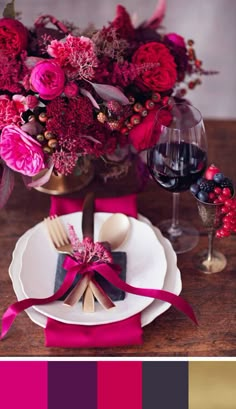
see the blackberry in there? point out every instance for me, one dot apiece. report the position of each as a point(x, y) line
point(226, 182)
point(207, 185)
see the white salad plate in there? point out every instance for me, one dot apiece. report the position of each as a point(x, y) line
point(172, 280)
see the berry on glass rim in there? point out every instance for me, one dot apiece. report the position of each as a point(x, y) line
point(211, 171)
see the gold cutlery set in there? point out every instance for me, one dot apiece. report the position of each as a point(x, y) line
point(112, 234)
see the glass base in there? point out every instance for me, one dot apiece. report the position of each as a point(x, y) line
point(217, 263)
point(183, 239)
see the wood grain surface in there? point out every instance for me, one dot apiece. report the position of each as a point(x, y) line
point(172, 334)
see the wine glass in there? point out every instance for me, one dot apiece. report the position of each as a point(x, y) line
point(178, 159)
point(210, 261)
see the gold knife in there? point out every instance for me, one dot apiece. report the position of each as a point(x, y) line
point(87, 229)
point(88, 288)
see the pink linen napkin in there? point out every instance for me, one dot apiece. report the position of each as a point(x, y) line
point(125, 332)
point(124, 204)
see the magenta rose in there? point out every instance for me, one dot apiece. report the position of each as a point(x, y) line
point(48, 79)
point(157, 65)
point(176, 39)
point(21, 152)
point(13, 36)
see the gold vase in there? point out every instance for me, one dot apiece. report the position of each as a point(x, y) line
point(59, 184)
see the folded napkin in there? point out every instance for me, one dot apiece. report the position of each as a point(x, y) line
point(125, 332)
point(124, 204)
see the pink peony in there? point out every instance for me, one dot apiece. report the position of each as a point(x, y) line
point(21, 152)
point(47, 78)
point(13, 36)
point(176, 39)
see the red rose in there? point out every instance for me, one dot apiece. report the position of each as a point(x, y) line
point(13, 36)
point(160, 73)
point(146, 134)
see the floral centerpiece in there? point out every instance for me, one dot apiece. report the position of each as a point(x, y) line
point(67, 94)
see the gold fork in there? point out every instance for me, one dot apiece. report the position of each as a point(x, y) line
point(58, 235)
point(62, 244)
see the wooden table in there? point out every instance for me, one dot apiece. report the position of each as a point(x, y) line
point(172, 334)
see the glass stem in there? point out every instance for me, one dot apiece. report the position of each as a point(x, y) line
point(210, 245)
point(175, 230)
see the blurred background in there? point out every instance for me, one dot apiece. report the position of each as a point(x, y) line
point(212, 385)
point(210, 23)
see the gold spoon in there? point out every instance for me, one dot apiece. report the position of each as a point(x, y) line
point(114, 230)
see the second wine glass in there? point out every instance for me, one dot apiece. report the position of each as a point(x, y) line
point(178, 159)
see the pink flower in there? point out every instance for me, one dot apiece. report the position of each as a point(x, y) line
point(9, 112)
point(71, 90)
point(31, 101)
point(47, 78)
point(76, 55)
point(13, 36)
point(87, 251)
point(19, 102)
point(23, 103)
point(176, 39)
point(21, 152)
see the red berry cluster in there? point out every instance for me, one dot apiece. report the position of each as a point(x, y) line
point(116, 119)
point(229, 219)
point(217, 189)
point(228, 210)
point(219, 195)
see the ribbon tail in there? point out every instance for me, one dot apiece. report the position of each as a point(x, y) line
point(16, 308)
point(178, 302)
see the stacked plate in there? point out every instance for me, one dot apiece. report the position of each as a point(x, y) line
point(151, 263)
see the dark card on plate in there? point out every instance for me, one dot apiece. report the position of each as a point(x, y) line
point(119, 257)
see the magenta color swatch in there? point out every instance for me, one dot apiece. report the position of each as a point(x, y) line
point(119, 385)
point(24, 384)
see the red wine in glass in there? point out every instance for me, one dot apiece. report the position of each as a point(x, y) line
point(175, 162)
point(176, 166)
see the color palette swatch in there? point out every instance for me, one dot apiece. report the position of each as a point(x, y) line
point(117, 384)
point(94, 385)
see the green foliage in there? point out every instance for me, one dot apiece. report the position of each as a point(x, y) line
point(9, 10)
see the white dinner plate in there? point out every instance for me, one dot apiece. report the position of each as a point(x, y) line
point(146, 268)
point(172, 281)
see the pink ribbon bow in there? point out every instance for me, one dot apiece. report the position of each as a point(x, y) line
point(109, 272)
